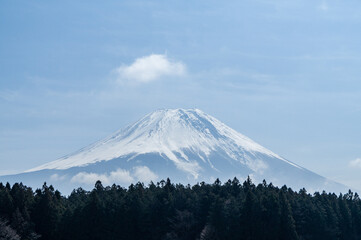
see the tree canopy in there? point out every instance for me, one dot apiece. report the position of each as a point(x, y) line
point(164, 210)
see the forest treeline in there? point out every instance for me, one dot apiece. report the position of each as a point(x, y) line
point(232, 210)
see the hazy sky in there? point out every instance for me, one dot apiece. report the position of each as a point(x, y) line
point(285, 73)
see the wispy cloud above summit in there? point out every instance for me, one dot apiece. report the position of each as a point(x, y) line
point(150, 68)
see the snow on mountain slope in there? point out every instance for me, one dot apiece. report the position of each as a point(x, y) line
point(188, 146)
point(168, 132)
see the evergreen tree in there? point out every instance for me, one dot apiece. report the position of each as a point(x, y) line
point(6, 232)
point(164, 210)
point(287, 223)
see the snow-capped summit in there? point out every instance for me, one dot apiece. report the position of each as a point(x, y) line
point(186, 145)
point(173, 133)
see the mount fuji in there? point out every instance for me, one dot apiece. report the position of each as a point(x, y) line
point(186, 145)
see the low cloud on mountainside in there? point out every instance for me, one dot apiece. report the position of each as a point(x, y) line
point(120, 176)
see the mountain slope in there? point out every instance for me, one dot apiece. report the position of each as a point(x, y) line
point(186, 145)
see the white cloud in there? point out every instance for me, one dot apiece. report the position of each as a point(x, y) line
point(355, 163)
point(88, 178)
point(57, 177)
point(258, 166)
point(323, 6)
point(190, 167)
point(150, 68)
point(119, 176)
point(144, 174)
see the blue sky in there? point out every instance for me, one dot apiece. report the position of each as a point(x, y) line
point(284, 73)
